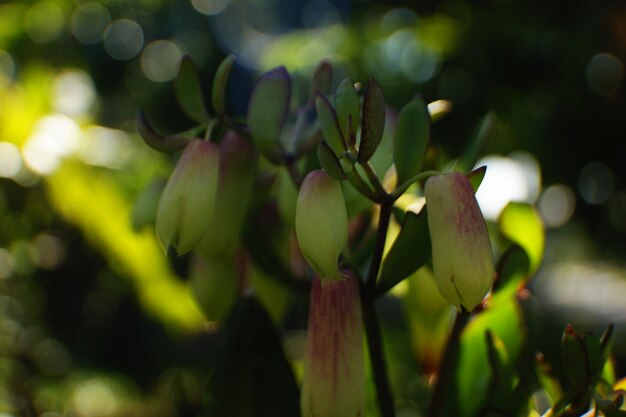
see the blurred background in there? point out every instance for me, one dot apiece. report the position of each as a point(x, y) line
point(94, 321)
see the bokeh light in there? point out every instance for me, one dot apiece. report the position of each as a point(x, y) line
point(210, 7)
point(89, 21)
point(73, 93)
point(54, 137)
point(123, 39)
point(44, 21)
point(596, 183)
point(160, 60)
point(7, 68)
point(605, 73)
point(10, 160)
point(556, 205)
point(512, 178)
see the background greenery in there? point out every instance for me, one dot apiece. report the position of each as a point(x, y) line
point(95, 320)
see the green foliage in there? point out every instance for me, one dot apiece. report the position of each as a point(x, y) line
point(189, 91)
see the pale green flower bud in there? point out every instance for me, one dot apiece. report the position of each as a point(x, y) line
point(187, 201)
point(333, 383)
point(462, 256)
point(321, 223)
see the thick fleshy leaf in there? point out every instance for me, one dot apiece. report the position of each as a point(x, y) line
point(476, 176)
point(253, 377)
point(189, 91)
point(373, 121)
point(329, 162)
point(410, 251)
point(513, 267)
point(329, 125)
point(267, 112)
point(322, 78)
point(220, 82)
point(521, 224)
point(348, 108)
point(157, 141)
point(411, 139)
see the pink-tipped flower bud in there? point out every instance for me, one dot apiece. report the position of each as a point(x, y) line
point(462, 256)
point(321, 223)
point(187, 201)
point(333, 383)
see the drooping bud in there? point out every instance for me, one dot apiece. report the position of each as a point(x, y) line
point(321, 223)
point(237, 169)
point(186, 205)
point(333, 382)
point(462, 257)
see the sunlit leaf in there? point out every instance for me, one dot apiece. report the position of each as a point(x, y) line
point(410, 251)
point(253, 377)
point(512, 271)
point(267, 112)
point(520, 223)
point(189, 91)
point(373, 120)
point(220, 82)
point(411, 139)
point(548, 380)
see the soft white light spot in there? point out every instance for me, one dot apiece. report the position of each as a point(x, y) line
point(160, 60)
point(506, 180)
point(7, 68)
point(605, 73)
point(102, 146)
point(6, 264)
point(95, 398)
point(54, 137)
point(123, 39)
point(556, 205)
point(10, 160)
point(74, 93)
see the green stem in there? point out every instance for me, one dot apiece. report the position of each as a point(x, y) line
point(355, 179)
point(371, 175)
point(395, 194)
point(377, 355)
point(447, 365)
point(370, 316)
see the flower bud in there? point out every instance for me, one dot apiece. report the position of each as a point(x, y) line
point(237, 169)
point(462, 257)
point(321, 223)
point(187, 201)
point(333, 382)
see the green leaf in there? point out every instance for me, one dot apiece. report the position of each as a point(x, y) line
point(373, 121)
point(501, 373)
point(267, 112)
point(329, 125)
point(156, 140)
point(329, 162)
point(476, 147)
point(410, 251)
point(348, 109)
point(512, 270)
point(521, 224)
point(411, 139)
point(322, 78)
point(476, 177)
point(220, 81)
point(548, 380)
point(253, 377)
point(472, 384)
point(189, 91)
point(574, 357)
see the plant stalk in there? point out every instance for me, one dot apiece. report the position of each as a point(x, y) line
point(447, 365)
